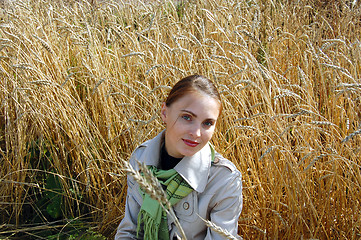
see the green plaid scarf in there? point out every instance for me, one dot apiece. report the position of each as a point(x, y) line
point(151, 212)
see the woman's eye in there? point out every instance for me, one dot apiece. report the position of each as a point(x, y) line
point(208, 123)
point(186, 117)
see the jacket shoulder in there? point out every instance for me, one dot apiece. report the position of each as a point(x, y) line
point(220, 161)
point(141, 147)
point(137, 153)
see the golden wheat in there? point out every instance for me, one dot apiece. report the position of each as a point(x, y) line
point(82, 85)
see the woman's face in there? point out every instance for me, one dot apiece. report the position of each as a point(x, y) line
point(190, 123)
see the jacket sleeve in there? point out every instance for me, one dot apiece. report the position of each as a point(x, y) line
point(227, 206)
point(127, 228)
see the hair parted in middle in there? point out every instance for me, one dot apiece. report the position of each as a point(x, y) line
point(191, 84)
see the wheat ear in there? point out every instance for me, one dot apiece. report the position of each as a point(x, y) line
point(150, 185)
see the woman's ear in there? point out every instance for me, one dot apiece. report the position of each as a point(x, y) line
point(163, 112)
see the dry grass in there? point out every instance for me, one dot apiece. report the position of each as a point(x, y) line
point(82, 85)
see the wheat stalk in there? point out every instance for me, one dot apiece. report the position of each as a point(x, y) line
point(351, 136)
point(222, 232)
point(150, 185)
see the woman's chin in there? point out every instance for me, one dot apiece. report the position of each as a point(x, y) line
point(189, 153)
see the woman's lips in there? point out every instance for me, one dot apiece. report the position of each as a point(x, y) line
point(190, 143)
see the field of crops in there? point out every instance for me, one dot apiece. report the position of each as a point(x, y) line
point(82, 83)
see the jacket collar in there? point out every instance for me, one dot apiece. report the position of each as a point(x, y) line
point(194, 169)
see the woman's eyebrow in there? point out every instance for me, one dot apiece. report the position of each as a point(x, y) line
point(195, 115)
point(190, 112)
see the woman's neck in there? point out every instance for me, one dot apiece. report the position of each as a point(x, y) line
point(166, 161)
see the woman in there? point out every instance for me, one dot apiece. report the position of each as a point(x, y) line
point(209, 186)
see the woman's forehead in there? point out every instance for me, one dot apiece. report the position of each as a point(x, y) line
point(198, 104)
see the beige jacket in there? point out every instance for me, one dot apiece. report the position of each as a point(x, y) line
point(217, 194)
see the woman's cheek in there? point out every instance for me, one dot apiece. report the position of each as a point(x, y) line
point(209, 133)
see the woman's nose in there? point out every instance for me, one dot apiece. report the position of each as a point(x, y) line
point(196, 131)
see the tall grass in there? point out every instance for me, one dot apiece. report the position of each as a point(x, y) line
point(82, 84)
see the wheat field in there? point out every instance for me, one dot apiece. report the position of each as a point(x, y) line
point(82, 83)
